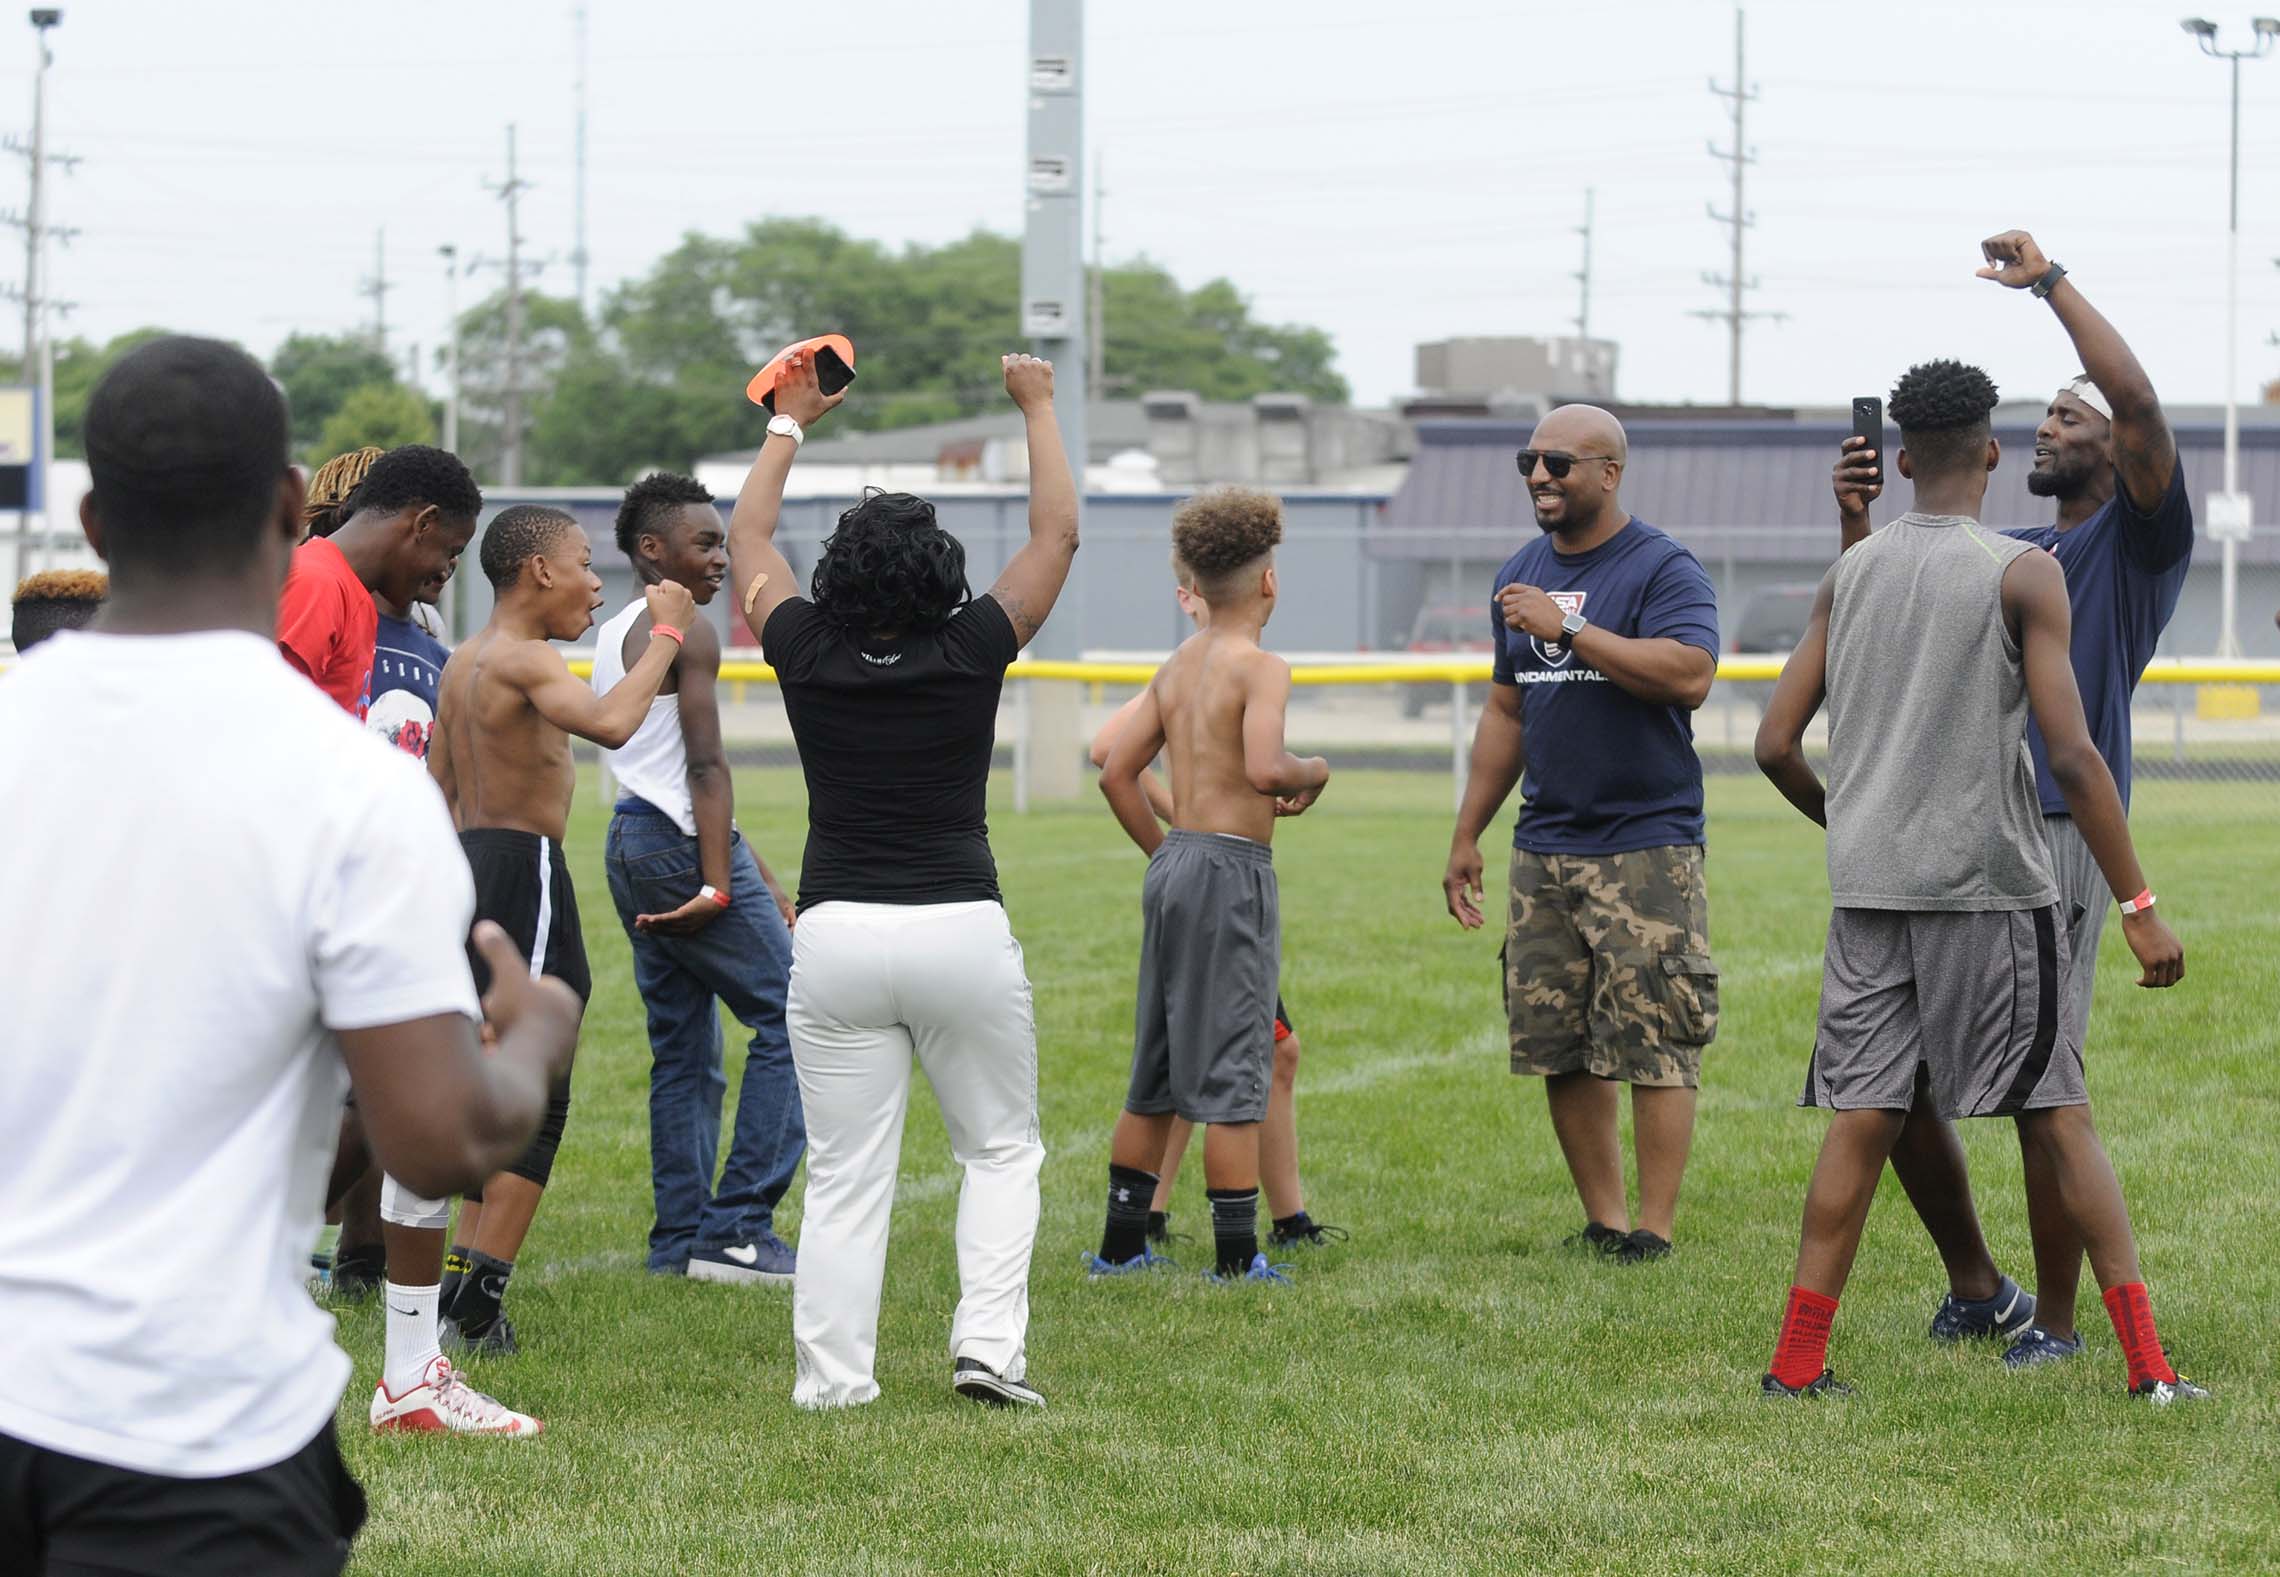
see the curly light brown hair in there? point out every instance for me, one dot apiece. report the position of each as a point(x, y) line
point(52, 600)
point(1223, 531)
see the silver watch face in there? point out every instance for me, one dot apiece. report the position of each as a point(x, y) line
point(1573, 623)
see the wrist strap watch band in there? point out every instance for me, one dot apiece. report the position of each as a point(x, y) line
point(2042, 287)
point(787, 427)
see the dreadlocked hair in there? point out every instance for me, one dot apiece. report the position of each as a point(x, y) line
point(326, 506)
point(650, 500)
point(1223, 531)
point(890, 567)
point(55, 599)
point(1942, 408)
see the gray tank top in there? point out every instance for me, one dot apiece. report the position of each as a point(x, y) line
point(1931, 790)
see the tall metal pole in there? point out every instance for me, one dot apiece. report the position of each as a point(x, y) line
point(510, 459)
point(1053, 241)
point(2228, 637)
point(578, 196)
point(450, 255)
point(1583, 274)
point(1096, 362)
point(36, 293)
point(1735, 282)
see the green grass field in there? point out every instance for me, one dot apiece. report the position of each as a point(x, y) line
point(1451, 1391)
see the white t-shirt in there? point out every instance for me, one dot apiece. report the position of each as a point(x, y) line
point(654, 763)
point(209, 867)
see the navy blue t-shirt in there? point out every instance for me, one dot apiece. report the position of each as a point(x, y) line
point(407, 665)
point(2124, 571)
point(1607, 773)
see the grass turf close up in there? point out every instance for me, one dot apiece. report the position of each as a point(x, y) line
point(1450, 1390)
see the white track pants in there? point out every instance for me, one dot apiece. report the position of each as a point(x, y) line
point(873, 984)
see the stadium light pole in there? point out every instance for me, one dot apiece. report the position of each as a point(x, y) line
point(2204, 33)
point(37, 289)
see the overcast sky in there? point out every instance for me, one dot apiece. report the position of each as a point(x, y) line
point(1390, 170)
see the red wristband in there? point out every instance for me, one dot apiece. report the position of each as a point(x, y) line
point(714, 893)
point(670, 633)
point(2138, 905)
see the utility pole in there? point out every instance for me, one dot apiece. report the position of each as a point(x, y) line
point(1053, 304)
point(509, 192)
point(1096, 364)
point(1736, 279)
point(1583, 275)
point(377, 286)
point(450, 256)
point(578, 196)
point(37, 296)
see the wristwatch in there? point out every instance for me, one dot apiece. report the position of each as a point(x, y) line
point(1572, 625)
point(2042, 287)
point(784, 427)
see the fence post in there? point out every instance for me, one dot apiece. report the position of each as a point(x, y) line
point(1021, 748)
point(1457, 744)
point(2177, 708)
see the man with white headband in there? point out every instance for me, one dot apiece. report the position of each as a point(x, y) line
point(2124, 537)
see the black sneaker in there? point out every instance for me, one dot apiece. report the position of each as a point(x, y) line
point(978, 1382)
point(1597, 1239)
point(1306, 1232)
point(1160, 1231)
point(2161, 1393)
point(1640, 1247)
point(352, 1280)
point(497, 1342)
point(1825, 1384)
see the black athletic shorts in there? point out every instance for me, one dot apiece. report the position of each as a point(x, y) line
point(68, 1517)
point(523, 884)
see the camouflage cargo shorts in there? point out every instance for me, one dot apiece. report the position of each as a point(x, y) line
point(1607, 965)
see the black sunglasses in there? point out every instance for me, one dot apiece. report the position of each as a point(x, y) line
point(1555, 462)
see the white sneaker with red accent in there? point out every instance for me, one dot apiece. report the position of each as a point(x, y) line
point(444, 1403)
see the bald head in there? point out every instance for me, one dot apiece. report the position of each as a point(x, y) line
point(1582, 429)
point(1588, 444)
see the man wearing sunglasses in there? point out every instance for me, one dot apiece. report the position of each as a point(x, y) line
point(1606, 637)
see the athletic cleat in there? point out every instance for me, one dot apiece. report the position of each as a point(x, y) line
point(1308, 1233)
point(497, 1342)
point(1640, 1247)
point(1604, 1240)
point(1968, 1319)
point(444, 1403)
point(2037, 1346)
point(1824, 1384)
point(766, 1259)
point(1160, 1230)
point(2161, 1393)
point(1139, 1264)
point(1260, 1271)
point(978, 1382)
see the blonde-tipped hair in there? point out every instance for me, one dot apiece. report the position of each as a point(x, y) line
point(338, 477)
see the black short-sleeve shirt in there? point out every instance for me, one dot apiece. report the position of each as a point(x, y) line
point(895, 738)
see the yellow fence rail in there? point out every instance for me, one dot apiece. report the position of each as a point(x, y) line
point(1475, 670)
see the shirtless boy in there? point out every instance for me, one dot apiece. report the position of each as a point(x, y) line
point(505, 712)
point(1211, 943)
point(1278, 1140)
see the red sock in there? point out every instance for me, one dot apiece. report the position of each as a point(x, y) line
point(1803, 1350)
point(2132, 1313)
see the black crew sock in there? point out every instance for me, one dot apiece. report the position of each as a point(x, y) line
point(480, 1294)
point(1130, 1192)
point(1159, 1226)
point(1234, 1227)
point(454, 1277)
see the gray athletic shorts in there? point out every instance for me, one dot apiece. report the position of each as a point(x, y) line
point(1973, 997)
point(1203, 1037)
point(2086, 901)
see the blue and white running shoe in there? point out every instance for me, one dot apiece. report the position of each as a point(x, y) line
point(1139, 1264)
point(2037, 1346)
point(1967, 1319)
point(1260, 1271)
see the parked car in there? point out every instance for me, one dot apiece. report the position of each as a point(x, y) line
point(1774, 619)
point(1446, 629)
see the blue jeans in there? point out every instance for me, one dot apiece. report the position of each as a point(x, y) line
point(743, 958)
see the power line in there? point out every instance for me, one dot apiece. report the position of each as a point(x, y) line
point(1735, 280)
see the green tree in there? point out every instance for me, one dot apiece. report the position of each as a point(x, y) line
point(379, 414)
point(319, 372)
point(554, 336)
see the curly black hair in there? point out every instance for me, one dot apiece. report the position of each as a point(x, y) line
point(415, 474)
point(650, 500)
point(1942, 409)
point(520, 533)
point(890, 567)
point(1222, 531)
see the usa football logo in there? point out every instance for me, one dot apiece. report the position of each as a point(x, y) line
point(1556, 653)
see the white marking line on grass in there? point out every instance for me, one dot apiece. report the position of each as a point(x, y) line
point(941, 1185)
